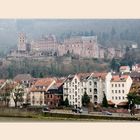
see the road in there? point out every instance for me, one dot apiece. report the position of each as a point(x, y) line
point(95, 113)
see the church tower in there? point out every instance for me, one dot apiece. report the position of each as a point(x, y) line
point(21, 42)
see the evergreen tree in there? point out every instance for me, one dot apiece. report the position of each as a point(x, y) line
point(104, 102)
point(41, 75)
point(66, 102)
point(115, 65)
point(85, 99)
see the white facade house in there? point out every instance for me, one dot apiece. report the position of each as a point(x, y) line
point(120, 87)
point(74, 88)
point(94, 84)
point(124, 69)
point(96, 87)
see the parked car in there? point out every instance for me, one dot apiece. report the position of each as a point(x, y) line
point(77, 110)
point(106, 113)
point(46, 109)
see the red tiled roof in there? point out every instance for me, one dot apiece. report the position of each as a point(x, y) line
point(117, 78)
point(2, 81)
point(44, 82)
point(99, 74)
point(83, 75)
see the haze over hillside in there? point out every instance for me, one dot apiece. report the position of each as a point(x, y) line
point(108, 31)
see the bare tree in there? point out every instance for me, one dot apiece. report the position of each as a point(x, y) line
point(17, 94)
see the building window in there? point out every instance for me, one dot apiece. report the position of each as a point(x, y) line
point(90, 83)
point(115, 91)
point(119, 85)
point(78, 83)
point(73, 96)
point(70, 96)
point(112, 85)
point(90, 90)
point(112, 98)
point(78, 90)
point(119, 97)
point(79, 97)
point(73, 84)
point(75, 80)
point(119, 91)
point(123, 97)
point(116, 98)
point(76, 100)
point(122, 85)
point(70, 84)
point(112, 91)
point(115, 85)
point(95, 91)
point(122, 91)
point(75, 87)
point(75, 93)
point(95, 84)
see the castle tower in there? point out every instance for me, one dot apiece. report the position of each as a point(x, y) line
point(21, 42)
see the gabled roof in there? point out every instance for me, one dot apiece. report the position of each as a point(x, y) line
point(101, 75)
point(83, 76)
point(43, 82)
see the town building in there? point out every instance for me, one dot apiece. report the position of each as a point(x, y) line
point(94, 84)
point(119, 88)
point(124, 69)
point(74, 88)
point(135, 75)
point(136, 67)
point(37, 91)
point(97, 85)
point(54, 95)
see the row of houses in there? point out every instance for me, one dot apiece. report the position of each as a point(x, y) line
point(53, 91)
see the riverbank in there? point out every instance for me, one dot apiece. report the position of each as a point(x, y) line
point(20, 115)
